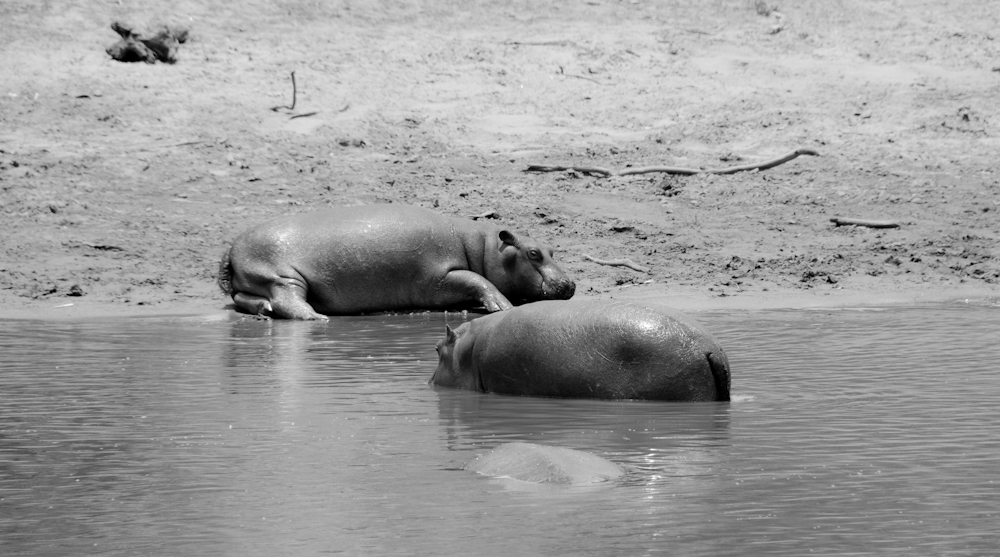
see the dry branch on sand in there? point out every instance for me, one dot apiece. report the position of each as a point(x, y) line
point(863, 222)
point(559, 168)
point(295, 95)
point(674, 169)
point(291, 108)
point(617, 263)
point(485, 215)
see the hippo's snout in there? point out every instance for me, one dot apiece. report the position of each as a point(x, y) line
point(559, 289)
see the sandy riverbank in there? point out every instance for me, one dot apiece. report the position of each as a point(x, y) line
point(120, 184)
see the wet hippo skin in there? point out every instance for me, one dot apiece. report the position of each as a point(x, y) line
point(351, 260)
point(585, 349)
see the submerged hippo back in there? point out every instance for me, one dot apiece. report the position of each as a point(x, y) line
point(593, 349)
point(529, 462)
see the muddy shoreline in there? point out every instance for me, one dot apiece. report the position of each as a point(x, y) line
point(691, 302)
point(121, 184)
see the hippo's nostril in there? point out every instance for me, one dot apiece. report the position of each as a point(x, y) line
point(564, 290)
point(558, 289)
point(569, 290)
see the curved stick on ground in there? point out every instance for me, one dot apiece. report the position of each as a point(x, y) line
point(294, 95)
point(862, 222)
point(730, 170)
point(661, 169)
point(617, 263)
point(584, 169)
point(676, 169)
point(766, 164)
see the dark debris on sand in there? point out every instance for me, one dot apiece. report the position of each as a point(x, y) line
point(160, 42)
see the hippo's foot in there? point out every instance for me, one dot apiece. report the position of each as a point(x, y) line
point(495, 304)
point(462, 286)
point(254, 305)
point(289, 308)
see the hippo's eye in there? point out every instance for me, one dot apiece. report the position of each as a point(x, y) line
point(534, 255)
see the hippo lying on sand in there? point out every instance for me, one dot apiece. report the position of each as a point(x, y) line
point(585, 349)
point(533, 463)
point(351, 260)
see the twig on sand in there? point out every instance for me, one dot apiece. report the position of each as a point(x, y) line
point(562, 72)
point(291, 109)
point(539, 43)
point(294, 96)
point(728, 170)
point(485, 215)
point(703, 32)
point(583, 169)
point(863, 222)
point(582, 77)
point(617, 263)
point(675, 169)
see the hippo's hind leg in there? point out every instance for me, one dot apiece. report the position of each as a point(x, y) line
point(254, 305)
point(719, 364)
point(287, 300)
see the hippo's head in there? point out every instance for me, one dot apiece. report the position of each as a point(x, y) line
point(452, 371)
point(529, 272)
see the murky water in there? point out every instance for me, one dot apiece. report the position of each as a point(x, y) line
point(851, 432)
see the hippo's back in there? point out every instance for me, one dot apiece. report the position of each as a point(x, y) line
point(601, 349)
point(355, 259)
point(364, 226)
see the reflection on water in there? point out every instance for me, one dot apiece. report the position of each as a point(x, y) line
point(850, 431)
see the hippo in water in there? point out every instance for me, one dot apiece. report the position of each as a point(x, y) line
point(351, 260)
point(585, 349)
point(529, 462)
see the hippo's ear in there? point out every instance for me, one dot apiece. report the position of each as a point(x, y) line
point(450, 334)
point(507, 238)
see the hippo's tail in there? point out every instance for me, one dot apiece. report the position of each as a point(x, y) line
point(225, 277)
point(719, 364)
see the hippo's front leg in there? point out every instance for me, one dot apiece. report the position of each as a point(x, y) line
point(461, 287)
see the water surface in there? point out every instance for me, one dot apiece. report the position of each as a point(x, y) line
point(869, 431)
